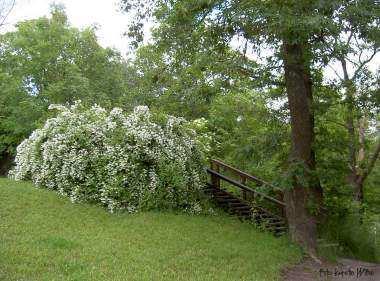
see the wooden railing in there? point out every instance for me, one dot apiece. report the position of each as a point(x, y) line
point(217, 167)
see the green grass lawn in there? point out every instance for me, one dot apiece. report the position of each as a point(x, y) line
point(45, 237)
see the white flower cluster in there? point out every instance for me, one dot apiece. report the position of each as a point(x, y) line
point(130, 162)
point(205, 138)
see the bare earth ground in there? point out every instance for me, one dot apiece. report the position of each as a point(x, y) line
point(344, 270)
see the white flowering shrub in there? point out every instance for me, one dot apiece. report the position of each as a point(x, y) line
point(130, 162)
point(205, 138)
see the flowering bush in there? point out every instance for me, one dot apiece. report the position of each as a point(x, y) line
point(123, 161)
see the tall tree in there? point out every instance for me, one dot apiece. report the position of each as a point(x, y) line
point(286, 28)
point(289, 38)
point(350, 50)
point(46, 61)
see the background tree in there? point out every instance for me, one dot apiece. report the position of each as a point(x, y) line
point(350, 50)
point(249, 135)
point(186, 84)
point(46, 61)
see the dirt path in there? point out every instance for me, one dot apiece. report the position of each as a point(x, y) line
point(344, 270)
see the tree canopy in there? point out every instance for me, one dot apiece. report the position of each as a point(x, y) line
point(47, 61)
point(284, 44)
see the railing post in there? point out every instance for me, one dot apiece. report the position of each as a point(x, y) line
point(215, 180)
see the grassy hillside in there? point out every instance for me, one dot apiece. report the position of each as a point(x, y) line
point(45, 237)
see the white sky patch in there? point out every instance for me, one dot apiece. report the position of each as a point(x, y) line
point(334, 70)
point(105, 14)
point(112, 23)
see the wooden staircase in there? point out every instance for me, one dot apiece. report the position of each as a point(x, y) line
point(243, 206)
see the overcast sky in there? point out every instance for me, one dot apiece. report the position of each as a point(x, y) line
point(105, 13)
point(81, 13)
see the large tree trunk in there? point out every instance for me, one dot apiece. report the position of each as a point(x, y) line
point(302, 223)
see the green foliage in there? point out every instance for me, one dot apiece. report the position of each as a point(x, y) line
point(249, 135)
point(185, 84)
point(349, 225)
point(58, 240)
point(372, 191)
point(18, 113)
point(356, 236)
point(46, 61)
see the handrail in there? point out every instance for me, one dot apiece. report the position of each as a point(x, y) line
point(244, 187)
point(241, 173)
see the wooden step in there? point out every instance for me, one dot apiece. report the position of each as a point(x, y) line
point(220, 193)
point(240, 210)
point(277, 229)
point(238, 207)
point(244, 208)
point(238, 204)
point(279, 223)
point(229, 199)
point(263, 216)
point(222, 196)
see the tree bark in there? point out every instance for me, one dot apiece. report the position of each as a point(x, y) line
point(356, 180)
point(350, 100)
point(356, 156)
point(359, 176)
point(302, 223)
point(358, 189)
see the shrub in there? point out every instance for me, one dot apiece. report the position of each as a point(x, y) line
point(353, 227)
point(131, 162)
